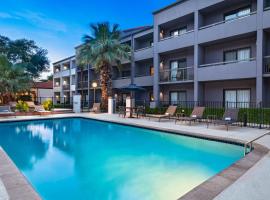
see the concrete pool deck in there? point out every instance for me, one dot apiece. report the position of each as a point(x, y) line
point(253, 181)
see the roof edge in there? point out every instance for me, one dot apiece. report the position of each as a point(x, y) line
point(63, 59)
point(169, 6)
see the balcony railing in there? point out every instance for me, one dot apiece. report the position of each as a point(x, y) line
point(66, 87)
point(142, 75)
point(83, 84)
point(267, 5)
point(227, 62)
point(175, 36)
point(179, 75)
point(121, 77)
point(141, 49)
point(227, 21)
point(267, 64)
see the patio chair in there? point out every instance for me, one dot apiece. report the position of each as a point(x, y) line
point(6, 111)
point(95, 108)
point(229, 118)
point(197, 114)
point(140, 111)
point(122, 111)
point(40, 109)
point(170, 112)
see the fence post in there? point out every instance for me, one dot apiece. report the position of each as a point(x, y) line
point(261, 114)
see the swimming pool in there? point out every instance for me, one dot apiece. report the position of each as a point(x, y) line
point(78, 158)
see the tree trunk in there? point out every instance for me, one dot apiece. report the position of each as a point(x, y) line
point(106, 85)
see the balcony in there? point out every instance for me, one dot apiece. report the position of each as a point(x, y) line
point(144, 80)
point(143, 54)
point(266, 17)
point(228, 28)
point(66, 87)
point(121, 82)
point(238, 69)
point(267, 65)
point(83, 85)
point(176, 42)
point(177, 76)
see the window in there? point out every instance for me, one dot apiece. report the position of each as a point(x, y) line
point(152, 70)
point(73, 80)
point(237, 14)
point(237, 55)
point(239, 98)
point(174, 69)
point(178, 97)
point(178, 32)
point(178, 71)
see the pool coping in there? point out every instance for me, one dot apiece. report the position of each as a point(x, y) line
point(205, 191)
point(15, 183)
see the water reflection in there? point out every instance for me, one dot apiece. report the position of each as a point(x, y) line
point(27, 144)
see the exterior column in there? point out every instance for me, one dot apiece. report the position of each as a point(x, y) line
point(132, 61)
point(197, 54)
point(260, 52)
point(156, 88)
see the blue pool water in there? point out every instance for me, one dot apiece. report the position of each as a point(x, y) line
point(84, 159)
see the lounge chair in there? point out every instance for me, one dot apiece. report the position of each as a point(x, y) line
point(170, 112)
point(196, 115)
point(40, 109)
point(12, 105)
point(6, 111)
point(230, 117)
point(31, 105)
point(95, 108)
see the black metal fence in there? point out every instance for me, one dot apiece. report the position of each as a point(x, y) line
point(251, 114)
point(58, 102)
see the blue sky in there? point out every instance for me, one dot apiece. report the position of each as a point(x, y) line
point(58, 25)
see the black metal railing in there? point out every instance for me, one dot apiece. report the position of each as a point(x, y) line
point(58, 102)
point(267, 64)
point(251, 114)
point(181, 74)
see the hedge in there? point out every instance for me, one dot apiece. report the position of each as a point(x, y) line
point(253, 115)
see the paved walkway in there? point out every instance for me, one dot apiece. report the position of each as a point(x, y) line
point(253, 185)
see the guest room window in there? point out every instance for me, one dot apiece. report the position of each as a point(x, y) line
point(239, 98)
point(178, 97)
point(237, 54)
point(237, 14)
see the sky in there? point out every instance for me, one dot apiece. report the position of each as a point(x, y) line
point(59, 25)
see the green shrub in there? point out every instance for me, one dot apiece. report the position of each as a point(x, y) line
point(22, 106)
point(252, 115)
point(48, 105)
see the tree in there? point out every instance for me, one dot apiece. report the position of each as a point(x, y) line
point(25, 52)
point(103, 50)
point(13, 78)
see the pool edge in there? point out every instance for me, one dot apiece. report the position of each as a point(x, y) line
point(213, 186)
point(16, 184)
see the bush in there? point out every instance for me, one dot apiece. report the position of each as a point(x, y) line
point(48, 105)
point(22, 106)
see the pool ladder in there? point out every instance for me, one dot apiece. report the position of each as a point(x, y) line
point(249, 145)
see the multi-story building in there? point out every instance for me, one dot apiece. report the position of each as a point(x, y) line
point(214, 50)
point(64, 76)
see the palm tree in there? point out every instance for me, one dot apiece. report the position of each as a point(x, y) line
point(103, 50)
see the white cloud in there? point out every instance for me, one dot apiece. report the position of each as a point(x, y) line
point(36, 19)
